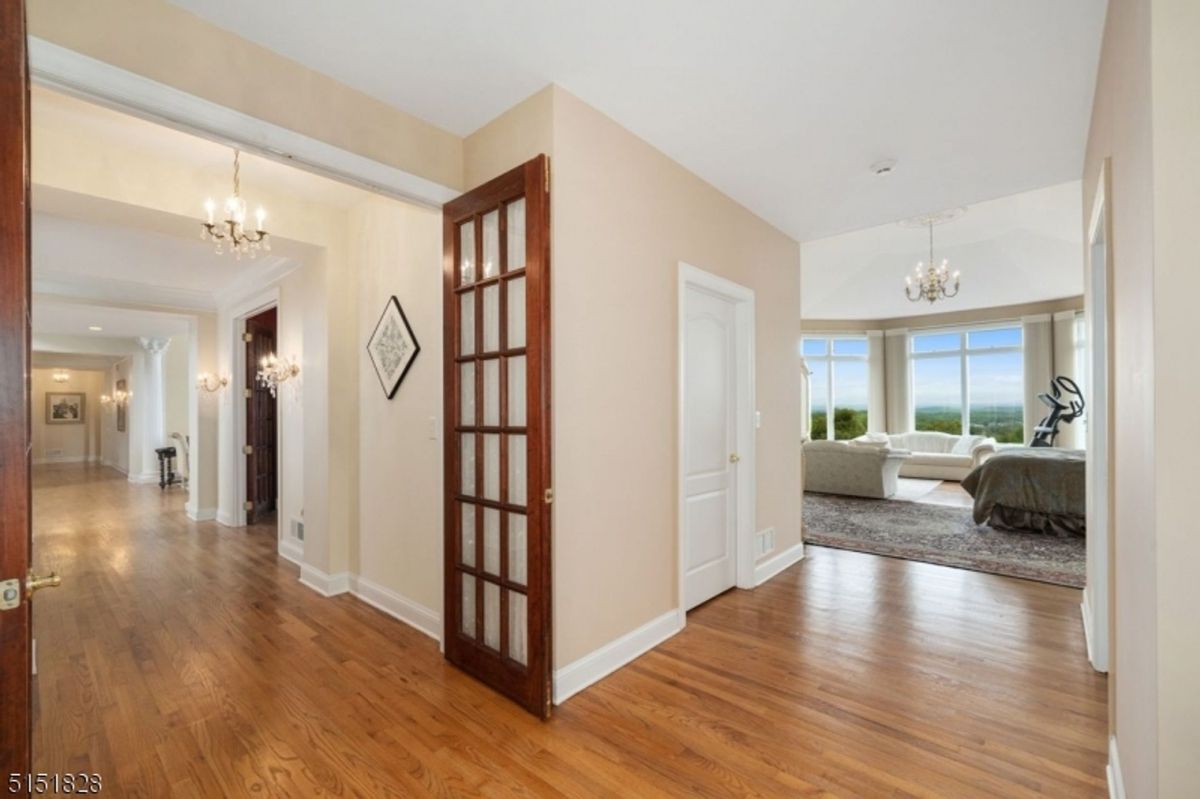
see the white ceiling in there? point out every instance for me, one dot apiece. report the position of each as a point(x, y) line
point(1018, 249)
point(53, 317)
point(782, 104)
point(78, 258)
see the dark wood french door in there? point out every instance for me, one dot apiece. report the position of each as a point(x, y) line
point(15, 620)
point(260, 419)
point(497, 388)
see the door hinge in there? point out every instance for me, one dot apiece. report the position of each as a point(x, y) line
point(247, 505)
point(248, 449)
point(249, 393)
point(10, 594)
point(549, 495)
point(247, 337)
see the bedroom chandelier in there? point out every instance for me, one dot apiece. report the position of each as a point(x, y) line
point(928, 282)
point(231, 230)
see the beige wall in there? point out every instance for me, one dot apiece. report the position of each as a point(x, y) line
point(1121, 131)
point(172, 46)
point(67, 443)
point(178, 386)
point(398, 251)
point(114, 443)
point(1176, 284)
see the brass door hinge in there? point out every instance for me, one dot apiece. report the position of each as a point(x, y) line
point(247, 337)
point(249, 392)
point(248, 449)
point(248, 505)
point(549, 495)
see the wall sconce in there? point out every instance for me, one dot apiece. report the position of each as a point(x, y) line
point(272, 372)
point(61, 376)
point(118, 397)
point(210, 383)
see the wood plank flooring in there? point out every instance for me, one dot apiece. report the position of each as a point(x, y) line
point(184, 659)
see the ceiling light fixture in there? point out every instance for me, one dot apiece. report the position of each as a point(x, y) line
point(231, 231)
point(883, 168)
point(95, 328)
point(928, 282)
point(61, 376)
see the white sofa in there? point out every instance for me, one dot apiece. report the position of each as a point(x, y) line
point(842, 467)
point(937, 456)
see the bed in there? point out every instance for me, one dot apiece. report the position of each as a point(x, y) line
point(1031, 489)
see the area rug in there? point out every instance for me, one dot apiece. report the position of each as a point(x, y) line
point(942, 535)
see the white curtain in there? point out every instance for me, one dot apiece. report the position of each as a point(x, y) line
point(1064, 364)
point(876, 383)
point(1038, 339)
point(899, 417)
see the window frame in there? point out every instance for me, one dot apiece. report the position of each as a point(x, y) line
point(964, 351)
point(828, 359)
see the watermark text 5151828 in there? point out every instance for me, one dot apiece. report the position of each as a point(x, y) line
point(43, 784)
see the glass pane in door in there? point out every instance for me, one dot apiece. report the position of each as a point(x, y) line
point(466, 388)
point(516, 470)
point(491, 541)
point(491, 244)
point(491, 615)
point(491, 467)
point(515, 219)
point(518, 629)
point(491, 318)
point(467, 533)
point(466, 450)
point(466, 252)
point(516, 391)
point(467, 624)
point(517, 548)
point(515, 296)
point(466, 323)
point(491, 392)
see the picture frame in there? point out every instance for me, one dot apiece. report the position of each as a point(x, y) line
point(122, 414)
point(65, 407)
point(392, 347)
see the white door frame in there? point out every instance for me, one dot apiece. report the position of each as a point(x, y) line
point(746, 494)
point(1096, 601)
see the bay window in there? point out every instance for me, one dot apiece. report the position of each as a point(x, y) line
point(838, 383)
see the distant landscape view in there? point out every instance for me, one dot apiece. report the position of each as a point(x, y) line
point(1005, 423)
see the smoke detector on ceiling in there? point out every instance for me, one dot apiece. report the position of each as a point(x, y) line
point(883, 168)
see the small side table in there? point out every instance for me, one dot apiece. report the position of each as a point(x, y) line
point(166, 467)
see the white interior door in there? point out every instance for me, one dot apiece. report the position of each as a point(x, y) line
point(709, 446)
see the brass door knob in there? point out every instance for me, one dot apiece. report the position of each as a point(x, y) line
point(34, 583)
point(734, 457)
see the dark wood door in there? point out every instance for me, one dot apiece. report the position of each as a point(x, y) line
point(497, 389)
point(260, 419)
point(15, 630)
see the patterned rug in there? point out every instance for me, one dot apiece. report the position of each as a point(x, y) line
point(942, 535)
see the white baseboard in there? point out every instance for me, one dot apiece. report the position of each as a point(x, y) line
point(200, 515)
point(1116, 782)
point(324, 584)
point(225, 519)
point(411, 613)
point(114, 465)
point(67, 459)
point(144, 478)
point(291, 549)
point(574, 677)
point(772, 566)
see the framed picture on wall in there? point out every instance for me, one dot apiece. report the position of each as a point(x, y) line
point(121, 394)
point(64, 407)
point(392, 347)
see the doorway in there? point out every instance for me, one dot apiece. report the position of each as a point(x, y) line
point(1097, 323)
point(261, 418)
point(716, 436)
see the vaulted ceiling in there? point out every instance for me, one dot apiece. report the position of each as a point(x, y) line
point(782, 104)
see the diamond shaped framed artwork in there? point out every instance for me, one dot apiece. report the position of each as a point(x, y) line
point(392, 347)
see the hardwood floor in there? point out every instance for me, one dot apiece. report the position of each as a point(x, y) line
point(184, 659)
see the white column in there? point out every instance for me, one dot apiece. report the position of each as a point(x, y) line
point(149, 402)
point(895, 369)
point(876, 383)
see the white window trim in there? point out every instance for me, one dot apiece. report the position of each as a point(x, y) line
point(964, 373)
point(827, 361)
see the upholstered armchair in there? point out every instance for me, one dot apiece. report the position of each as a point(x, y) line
point(839, 467)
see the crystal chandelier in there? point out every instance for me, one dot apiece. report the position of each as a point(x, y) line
point(928, 282)
point(231, 230)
